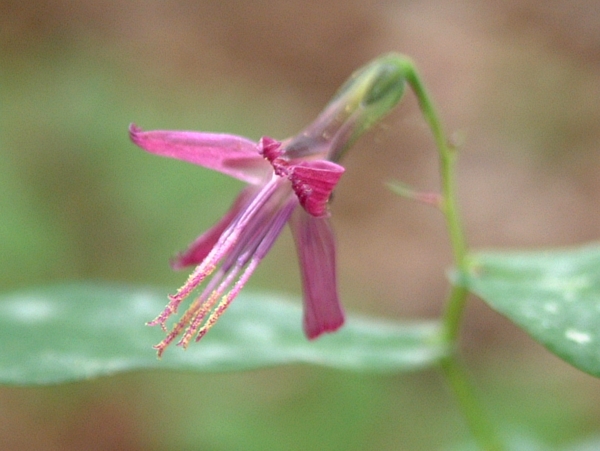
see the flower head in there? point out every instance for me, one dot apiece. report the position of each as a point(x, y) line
point(289, 182)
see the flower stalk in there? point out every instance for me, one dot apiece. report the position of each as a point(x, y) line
point(482, 428)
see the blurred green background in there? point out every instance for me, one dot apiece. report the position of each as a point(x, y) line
point(518, 80)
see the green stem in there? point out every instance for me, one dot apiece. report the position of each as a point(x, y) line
point(482, 429)
point(447, 156)
point(477, 419)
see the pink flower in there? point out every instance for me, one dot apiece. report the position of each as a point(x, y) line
point(289, 182)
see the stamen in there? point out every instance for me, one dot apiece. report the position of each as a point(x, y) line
point(212, 319)
point(239, 249)
point(161, 319)
point(175, 331)
point(199, 316)
point(220, 309)
point(259, 254)
point(215, 294)
point(203, 270)
point(200, 273)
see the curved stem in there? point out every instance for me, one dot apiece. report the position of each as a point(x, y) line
point(479, 423)
point(447, 156)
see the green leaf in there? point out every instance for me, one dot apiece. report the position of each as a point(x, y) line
point(520, 440)
point(553, 295)
point(589, 444)
point(514, 441)
point(72, 332)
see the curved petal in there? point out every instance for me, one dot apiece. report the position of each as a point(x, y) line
point(313, 183)
point(199, 249)
point(232, 155)
point(316, 251)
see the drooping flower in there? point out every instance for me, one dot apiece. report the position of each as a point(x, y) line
point(289, 182)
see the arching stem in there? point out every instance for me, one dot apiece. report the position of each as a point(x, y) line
point(482, 428)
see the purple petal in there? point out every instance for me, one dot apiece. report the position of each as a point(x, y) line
point(313, 182)
point(316, 250)
point(232, 155)
point(200, 248)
